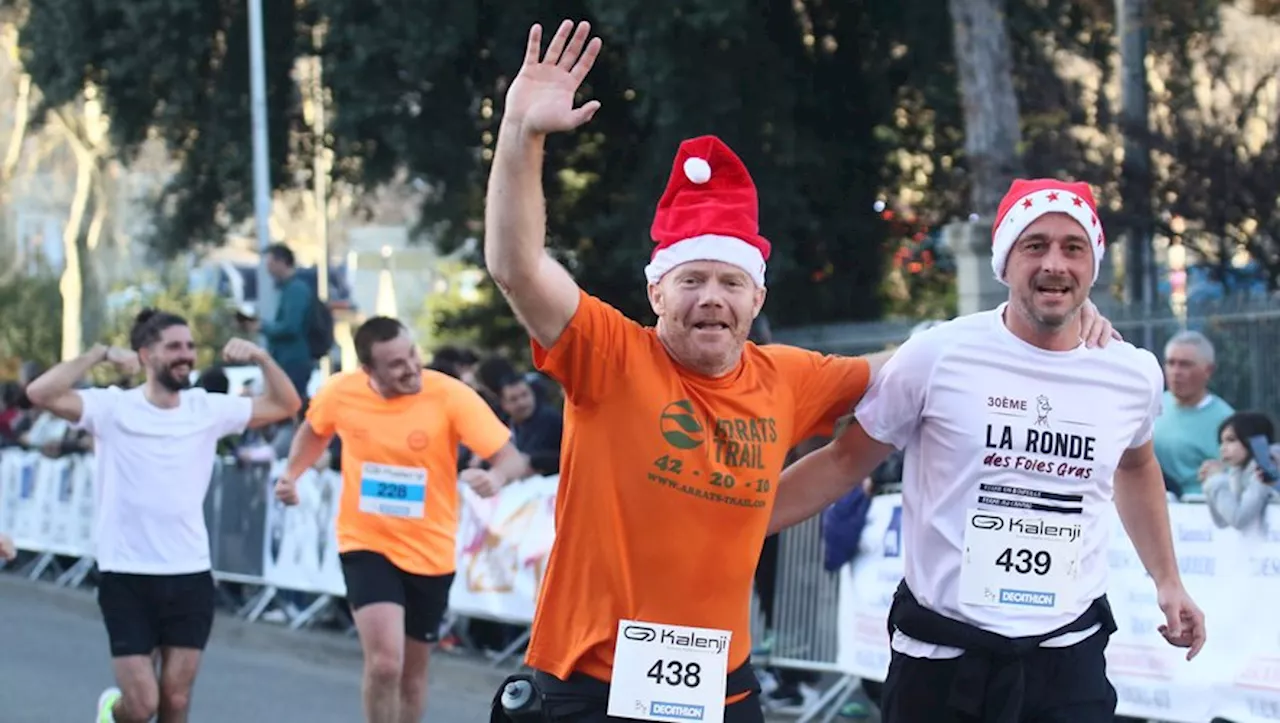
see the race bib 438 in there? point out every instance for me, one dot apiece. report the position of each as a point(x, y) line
point(669, 673)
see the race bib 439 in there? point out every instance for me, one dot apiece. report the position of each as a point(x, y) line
point(1014, 560)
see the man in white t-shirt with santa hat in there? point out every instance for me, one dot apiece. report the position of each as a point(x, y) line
point(1017, 439)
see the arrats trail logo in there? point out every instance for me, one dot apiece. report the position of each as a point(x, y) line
point(679, 425)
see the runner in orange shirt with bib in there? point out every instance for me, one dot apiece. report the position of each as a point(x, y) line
point(400, 427)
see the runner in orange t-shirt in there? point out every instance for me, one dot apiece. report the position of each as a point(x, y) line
point(400, 427)
point(674, 436)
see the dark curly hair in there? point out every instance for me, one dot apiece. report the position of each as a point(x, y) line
point(149, 324)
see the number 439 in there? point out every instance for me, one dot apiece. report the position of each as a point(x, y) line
point(1024, 561)
point(675, 673)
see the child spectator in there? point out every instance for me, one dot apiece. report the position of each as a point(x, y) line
point(1237, 492)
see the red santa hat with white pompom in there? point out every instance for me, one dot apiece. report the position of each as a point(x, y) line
point(708, 212)
point(1027, 201)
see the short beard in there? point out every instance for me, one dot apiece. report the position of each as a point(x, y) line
point(173, 384)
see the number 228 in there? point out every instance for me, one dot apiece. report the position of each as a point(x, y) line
point(676, 673)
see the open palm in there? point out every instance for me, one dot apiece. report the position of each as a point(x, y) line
point(540, 98)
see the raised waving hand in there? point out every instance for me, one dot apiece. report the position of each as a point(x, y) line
point(541, 97)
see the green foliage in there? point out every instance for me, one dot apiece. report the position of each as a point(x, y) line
point(211, 318)
point(178, 69)
point(31, 307)
point(831, 105)
point(457, 290)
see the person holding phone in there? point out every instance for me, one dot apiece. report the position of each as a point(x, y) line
point(1238, 493)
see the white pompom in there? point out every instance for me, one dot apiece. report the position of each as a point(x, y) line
point(697, 170)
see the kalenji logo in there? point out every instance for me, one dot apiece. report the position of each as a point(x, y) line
point(1027, 597)
point(676, 710)
point(987, 522)
point(639, 632)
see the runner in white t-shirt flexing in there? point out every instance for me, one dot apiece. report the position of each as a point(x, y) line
point(154, 447)
point(1016, 438)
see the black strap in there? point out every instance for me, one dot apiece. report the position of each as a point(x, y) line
point(990, 682)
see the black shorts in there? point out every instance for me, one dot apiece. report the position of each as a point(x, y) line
point(372, 578)
point(1063, 685)
point(145, 612)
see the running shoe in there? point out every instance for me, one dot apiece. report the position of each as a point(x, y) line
point(106, 702)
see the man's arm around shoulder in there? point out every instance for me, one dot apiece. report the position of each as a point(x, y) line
point(820, 478)
point(540, 290)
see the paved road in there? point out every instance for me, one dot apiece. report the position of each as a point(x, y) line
point(54, 663)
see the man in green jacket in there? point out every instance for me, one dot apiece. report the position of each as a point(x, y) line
point(287, 334)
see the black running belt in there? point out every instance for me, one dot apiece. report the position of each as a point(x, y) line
point(990, 683)
point(566, 699)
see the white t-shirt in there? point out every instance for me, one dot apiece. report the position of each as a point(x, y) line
point(153, 468)
point(989, 422)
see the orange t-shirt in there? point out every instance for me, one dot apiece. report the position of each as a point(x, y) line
point(413, 433)
point(667, 482)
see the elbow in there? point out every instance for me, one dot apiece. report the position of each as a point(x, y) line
point(293, 403)
point(506, 271)
point(509, 266)
point(38, 394)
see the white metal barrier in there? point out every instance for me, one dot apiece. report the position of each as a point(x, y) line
point(827, 623)
point(47, 505)
point(1235, 578)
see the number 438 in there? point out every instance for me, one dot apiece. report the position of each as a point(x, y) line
point(673, 672)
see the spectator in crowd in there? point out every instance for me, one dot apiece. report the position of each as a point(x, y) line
point(535, 425)
point(1186, 432)
point(214, 380)
point(287, 334)
point(1237, 491)
point(457, 362)
point(11, 413)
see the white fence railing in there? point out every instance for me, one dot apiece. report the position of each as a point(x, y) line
point(829, 623)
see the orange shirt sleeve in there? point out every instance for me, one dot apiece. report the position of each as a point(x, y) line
point(826, 387)
point(478, 428)
point(591, 354)
point(322, 409)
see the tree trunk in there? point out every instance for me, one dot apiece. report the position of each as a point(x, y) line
point(992, 128)
point(18, 134)
point(72, 282)
point(13, 153)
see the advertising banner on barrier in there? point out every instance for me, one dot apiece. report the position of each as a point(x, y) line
point(1232, 576)
point(503, 545)
point(301, 545)
point(47, 504)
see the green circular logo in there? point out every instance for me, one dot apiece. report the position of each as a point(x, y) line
point(679, 426)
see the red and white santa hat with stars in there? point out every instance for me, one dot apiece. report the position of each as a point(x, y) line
point(708, 212)
point(1027, 201)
